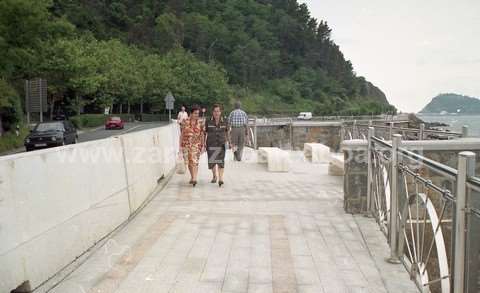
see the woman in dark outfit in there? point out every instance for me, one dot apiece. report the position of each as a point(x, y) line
point(217, 132)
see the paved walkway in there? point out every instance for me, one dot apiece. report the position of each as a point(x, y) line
point(261, 232)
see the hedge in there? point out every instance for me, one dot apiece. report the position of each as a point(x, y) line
point(10, 141)
point(96, 120)
point(154, 117)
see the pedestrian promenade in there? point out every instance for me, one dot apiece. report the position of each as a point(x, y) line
point(261, 232)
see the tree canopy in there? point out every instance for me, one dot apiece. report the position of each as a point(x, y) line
point(270, 53)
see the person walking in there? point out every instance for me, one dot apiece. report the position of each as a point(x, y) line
point(238, 121)
point(217, 134)
point(193, 142)
point(182, 115)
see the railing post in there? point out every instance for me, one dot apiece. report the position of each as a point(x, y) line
point(355, 130)
point(292, 144)
point(371, 133)
point(466, 168)
point(465, 131)
point(422, 131)
point(390, 135)
point(342, 132)
point(393, 229)
point(255, 136)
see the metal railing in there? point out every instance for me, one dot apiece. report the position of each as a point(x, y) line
point(252, 133)
point(364, 119)
point(356, 130)
point(429, 212)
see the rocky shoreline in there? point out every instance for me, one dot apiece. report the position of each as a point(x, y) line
point(415, 122)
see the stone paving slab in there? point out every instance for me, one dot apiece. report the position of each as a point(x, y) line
point(261, 232)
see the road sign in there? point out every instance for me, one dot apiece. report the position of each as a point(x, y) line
point(169, 101)
point(169, 104)
point(36, 96)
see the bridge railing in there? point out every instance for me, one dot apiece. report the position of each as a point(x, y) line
point(352, 118)
point(252, 133)
point(429, 212)
point(286, 120)
point(354, 130)
point(472, 241)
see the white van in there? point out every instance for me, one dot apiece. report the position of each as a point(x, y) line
point(305, 116)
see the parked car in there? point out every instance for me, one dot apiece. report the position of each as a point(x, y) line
point(59, 116)
point(305, 116)
point(114, 123)
point(51, 134)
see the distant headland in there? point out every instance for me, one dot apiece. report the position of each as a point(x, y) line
point(452, 104)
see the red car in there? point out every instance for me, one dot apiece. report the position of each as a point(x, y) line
point(114, 123)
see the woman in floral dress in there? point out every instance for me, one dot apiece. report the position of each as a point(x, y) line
point(193, 142)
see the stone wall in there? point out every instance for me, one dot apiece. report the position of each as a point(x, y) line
point(274, 136)
point(327, 133)
point(355, 178)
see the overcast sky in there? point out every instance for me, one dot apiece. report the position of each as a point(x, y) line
point(412, 49)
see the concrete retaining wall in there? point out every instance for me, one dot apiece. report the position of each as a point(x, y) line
point(55, 204)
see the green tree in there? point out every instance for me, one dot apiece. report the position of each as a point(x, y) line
point(10, 111)
point(168, 32)
point(193, 81)
point(123, 52)
point(25, 25)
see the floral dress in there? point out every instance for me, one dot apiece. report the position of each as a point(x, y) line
point(193, 135)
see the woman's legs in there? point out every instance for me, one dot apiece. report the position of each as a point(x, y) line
point(220, 173)
point(195, 159)
point(194, 172)
point(190, 169)
point(188, 162)
point(214, 173)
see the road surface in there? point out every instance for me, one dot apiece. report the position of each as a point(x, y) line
point(101, 133)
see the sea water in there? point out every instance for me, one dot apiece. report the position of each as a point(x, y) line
point(455, 122)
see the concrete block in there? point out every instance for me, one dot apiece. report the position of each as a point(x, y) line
point(317, 152)
point(277, 160)
point(337, 165)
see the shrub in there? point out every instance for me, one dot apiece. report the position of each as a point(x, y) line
point(10, 141)
point(10, 107)
point(155, 117)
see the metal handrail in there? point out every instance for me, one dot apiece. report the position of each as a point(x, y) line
point(475, 211)
point(398, 181)
point(474, 183)
point(447, 194)
point(354, 130)
point(447, 171)
point(382, 142)
point(414, 130)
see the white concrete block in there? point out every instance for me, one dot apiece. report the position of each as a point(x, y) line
point(277, 160)
point(337, 165)
point(317, 152)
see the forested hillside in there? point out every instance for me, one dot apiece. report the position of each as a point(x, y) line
point(130, 53)
point(453, 103)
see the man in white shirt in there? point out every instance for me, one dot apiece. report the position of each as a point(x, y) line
point(238, 121)
point(182, 115)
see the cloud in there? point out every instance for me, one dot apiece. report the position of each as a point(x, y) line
point(410, 49)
